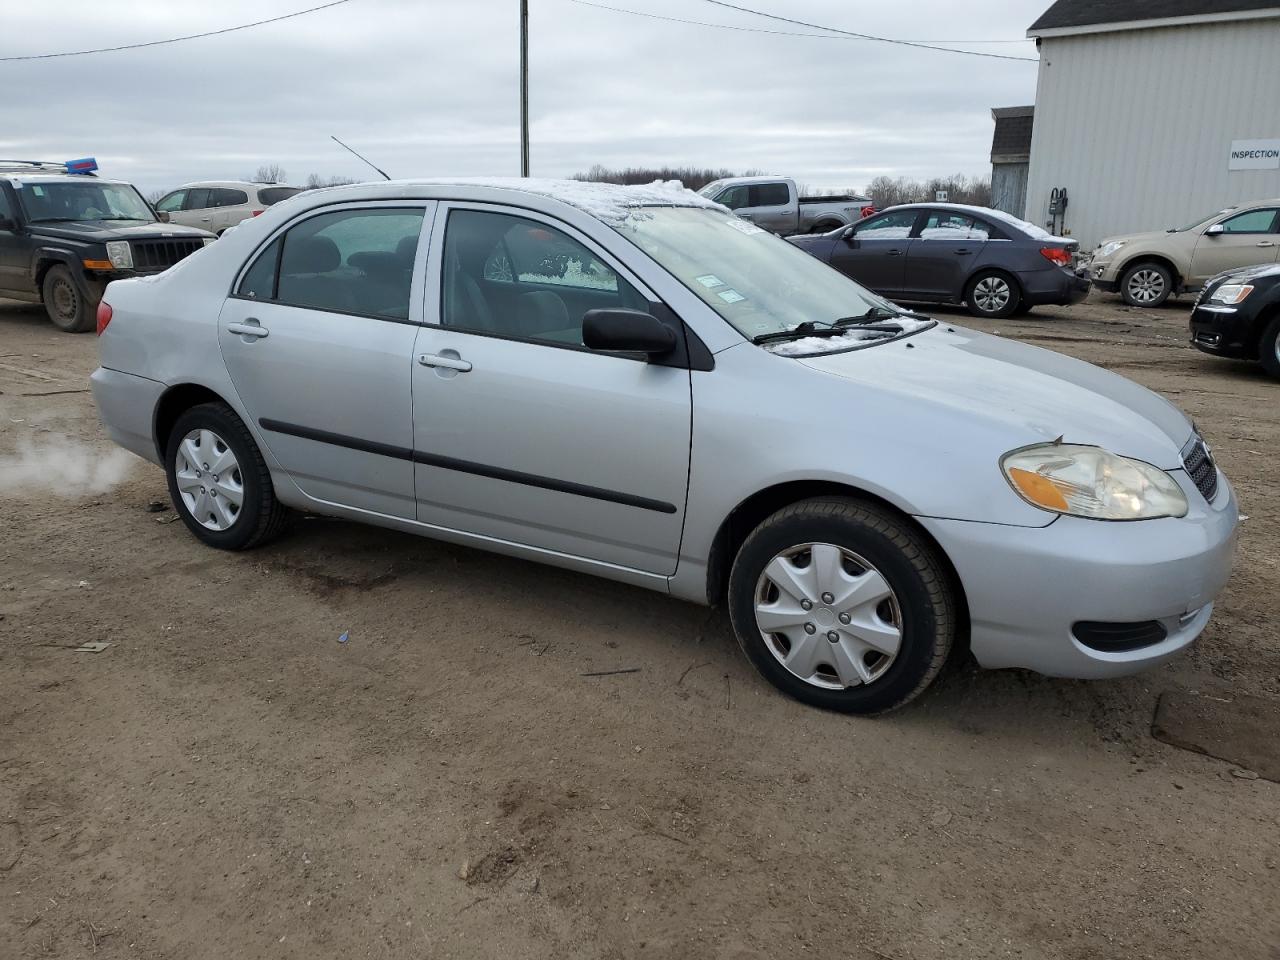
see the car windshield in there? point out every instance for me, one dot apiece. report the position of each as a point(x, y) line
point(1195, 223)
point(82, 200)
point(759, 283)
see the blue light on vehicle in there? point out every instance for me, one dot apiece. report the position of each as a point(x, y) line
point(83, 165)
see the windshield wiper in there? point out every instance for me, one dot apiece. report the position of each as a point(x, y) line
point(875, 313)
point(798, 332)
point(54, 220)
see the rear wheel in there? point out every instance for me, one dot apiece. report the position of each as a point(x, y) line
point(1269, 347)
point(68, 308)
point(992, 294)
point(218, 481)
point(1146, 284)
point(842, 605)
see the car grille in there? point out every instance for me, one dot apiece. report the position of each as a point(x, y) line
point(1201, 468)
point(162, 254)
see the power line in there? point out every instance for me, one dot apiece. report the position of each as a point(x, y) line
point(867, 36)
point(192, 36)
point(779, 33)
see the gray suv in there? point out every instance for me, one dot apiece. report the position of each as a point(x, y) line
point(995, 264)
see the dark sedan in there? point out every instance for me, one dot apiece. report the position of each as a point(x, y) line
point(1238, 316)
point(995, 264)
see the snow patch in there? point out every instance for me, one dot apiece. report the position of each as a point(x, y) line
point(813, 346)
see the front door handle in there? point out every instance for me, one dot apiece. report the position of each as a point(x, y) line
point(963, 251)
point(1265, 243)
point(895, 253)
point(448, 363)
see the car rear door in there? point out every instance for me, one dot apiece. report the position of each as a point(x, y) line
point(874, 251)
point(1246, 239)
point(229, 207)
point(318, 339)
point(522, 434)
point(941, 256)
point(771, 207)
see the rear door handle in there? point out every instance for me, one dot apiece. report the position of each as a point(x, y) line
point(1265, 243)
point(250, 328)
point(448, 363)
point(962, 251)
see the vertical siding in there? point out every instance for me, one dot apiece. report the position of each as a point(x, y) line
point(1138, 125)
point(1009, 187)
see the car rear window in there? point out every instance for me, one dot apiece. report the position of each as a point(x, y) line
point(224, 197)
point(270, 195)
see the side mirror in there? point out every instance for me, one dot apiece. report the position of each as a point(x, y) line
point(162, 216)
point(849, 237)
point(1215, 230)
point(627, 331)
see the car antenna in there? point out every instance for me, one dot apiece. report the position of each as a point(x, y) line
point(385, 176)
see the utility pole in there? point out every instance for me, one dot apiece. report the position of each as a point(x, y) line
point(524, 88)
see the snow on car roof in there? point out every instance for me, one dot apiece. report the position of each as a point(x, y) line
point(1038, 233)
point(609, 202)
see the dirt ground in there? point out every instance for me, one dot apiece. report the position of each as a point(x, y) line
point(227, 780)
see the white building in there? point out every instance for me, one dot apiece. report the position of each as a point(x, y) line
point(1152, 113)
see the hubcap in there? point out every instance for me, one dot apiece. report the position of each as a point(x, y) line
point(209, 480)
point(1146, 286)
point(846, 642)
point(65, 300)
point(992, 294)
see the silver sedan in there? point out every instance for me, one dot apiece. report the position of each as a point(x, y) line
point(633, 383)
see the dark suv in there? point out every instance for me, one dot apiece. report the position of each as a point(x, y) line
point(995, 264)
point(64, 236)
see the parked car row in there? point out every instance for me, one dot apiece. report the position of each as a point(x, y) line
point(65, 233)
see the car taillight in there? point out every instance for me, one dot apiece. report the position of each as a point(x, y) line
point(104, 316)
point(1056, 255)
point(258, 213)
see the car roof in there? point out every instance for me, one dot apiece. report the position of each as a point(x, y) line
point(256, 184)
point(606, 202)
point(958, 207)
point(759, 178)
point(36, 177)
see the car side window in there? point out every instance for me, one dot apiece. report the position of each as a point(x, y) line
point(348, 261)
point(172, 203)
point(735, 198)
point(197, 199)
point(1255, 221)
point(769, 195)
point(513, 277)
point(6, 211)
point(225, 197)
point(948, 225)
point(894, 225)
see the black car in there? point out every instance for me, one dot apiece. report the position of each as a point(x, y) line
point(1237, 315)
point(995, 264)
point(64, 236)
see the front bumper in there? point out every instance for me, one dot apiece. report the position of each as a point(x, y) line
point(1223, 331)
point(1027, 587)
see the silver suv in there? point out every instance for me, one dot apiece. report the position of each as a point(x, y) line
point(218, 205)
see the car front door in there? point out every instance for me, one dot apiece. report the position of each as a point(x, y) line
point(874, 252)
point(771, 207)
point(197, 211)
point(1246, 239)
point(521, 433)
point(171, 204)
point(941, 257)
point(318, 339)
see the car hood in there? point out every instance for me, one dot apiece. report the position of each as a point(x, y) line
point(1255, 272)
point(1018, 394)
point(1154, 237)
point(100, 231)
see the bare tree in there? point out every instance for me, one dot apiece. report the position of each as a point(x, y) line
point(314, 181)
point(888, 191)
point(154, 196)
point(269, 173)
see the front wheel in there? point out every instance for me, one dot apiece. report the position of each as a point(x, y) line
point(1146, 285)
point(1269, 348)
point(993, 295)
point(68, 308)
point(842, 605)
point(218, 481)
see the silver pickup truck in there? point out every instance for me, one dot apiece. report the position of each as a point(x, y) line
point(774, 204)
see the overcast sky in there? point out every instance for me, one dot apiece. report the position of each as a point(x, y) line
point(430, 88)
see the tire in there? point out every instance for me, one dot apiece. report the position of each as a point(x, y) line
point(66, 305)
point(992, 294)
point(853, 541)
point(1269, 347)
point(1146, 284)
point(205, 434)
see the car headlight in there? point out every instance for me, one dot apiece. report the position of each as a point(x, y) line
point(120, 254)
point(209, 240)
point(1091, 482)
point(1107, 249)
point(1231, 293)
